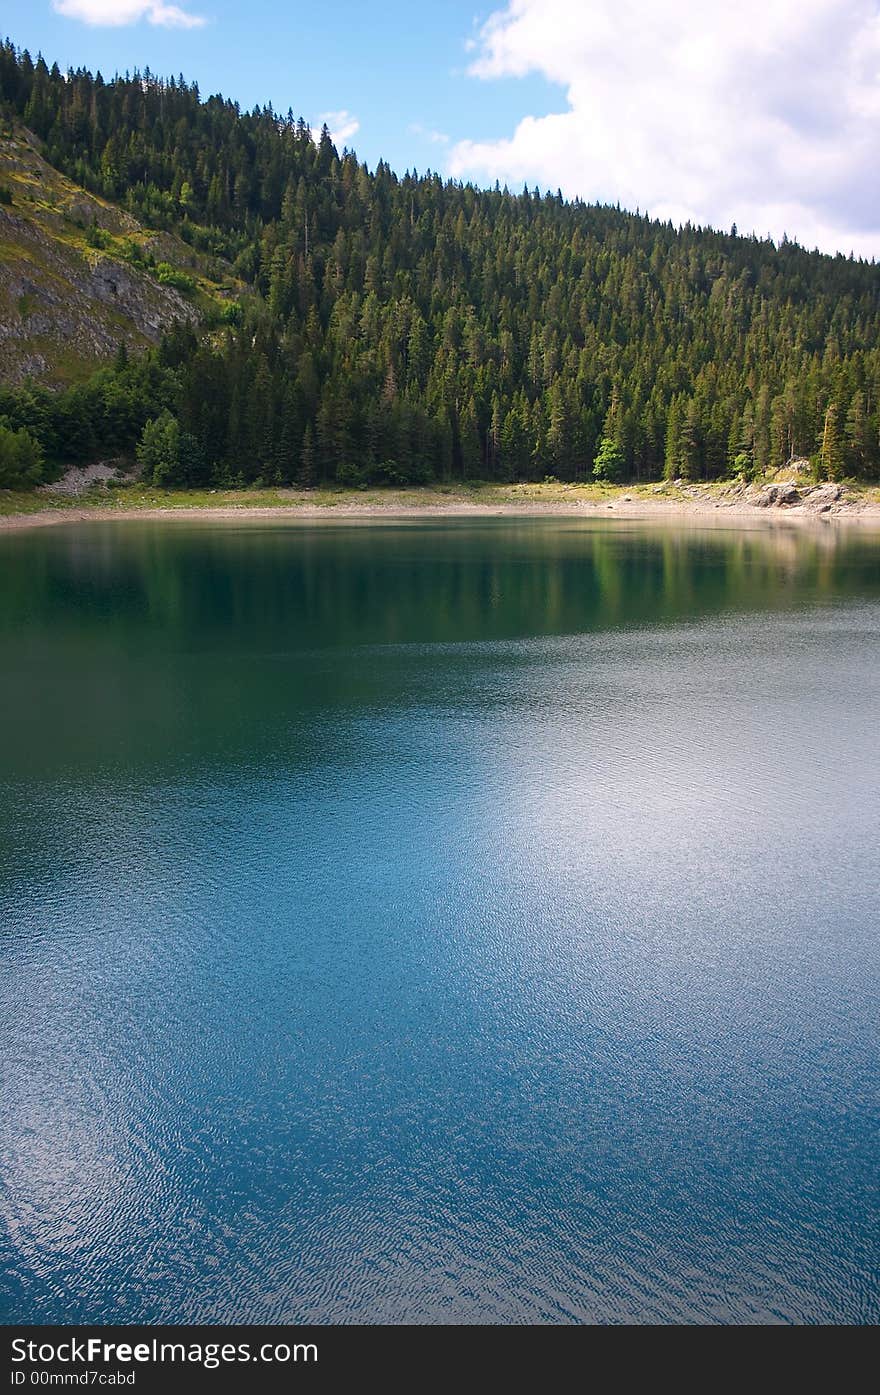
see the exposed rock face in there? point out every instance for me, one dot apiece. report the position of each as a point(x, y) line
point(778, 496)
point(65, 304)
point(149, 305)
point(59, 303)
point(824, 497)
point(817, 498)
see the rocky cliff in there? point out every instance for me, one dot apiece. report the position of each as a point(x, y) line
point(78, 275)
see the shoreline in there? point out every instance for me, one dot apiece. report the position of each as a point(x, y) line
point(670, 513)
point(613, 505)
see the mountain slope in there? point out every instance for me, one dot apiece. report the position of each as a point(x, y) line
point(402, 328)
point(78, 275)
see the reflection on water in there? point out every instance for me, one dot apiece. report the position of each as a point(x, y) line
point(210, 618)
point(439, 920)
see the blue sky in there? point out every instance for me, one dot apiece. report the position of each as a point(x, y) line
point(399, 69)
point(765, 113)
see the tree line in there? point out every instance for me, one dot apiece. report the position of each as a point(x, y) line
point(410, 328)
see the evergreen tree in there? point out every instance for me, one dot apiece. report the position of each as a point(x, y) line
point(858, 436)
point(469, 442)
point(415, 327)
point(307, 459)
point(831, 446)
point(674, 437)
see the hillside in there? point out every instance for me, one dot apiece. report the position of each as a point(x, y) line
point(403, 328)
point(78, 275)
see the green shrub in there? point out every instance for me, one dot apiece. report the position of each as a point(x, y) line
point(166, 454)
point(168, 275)
point(97, 237)
point(609, 462)
point(21, 458)
point(349, 476)
point(744, 465)
point(135, 253)
point(222, 316)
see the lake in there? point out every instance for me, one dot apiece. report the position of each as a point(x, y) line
point(439, 920)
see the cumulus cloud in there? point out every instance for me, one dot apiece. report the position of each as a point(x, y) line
point(765, 113)
point(119, 12)
point(341, 125)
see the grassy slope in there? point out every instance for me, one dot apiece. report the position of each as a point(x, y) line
point(56, 326)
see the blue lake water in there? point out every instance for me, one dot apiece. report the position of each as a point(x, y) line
point(439, 920)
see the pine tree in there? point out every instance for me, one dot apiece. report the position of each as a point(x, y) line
point(831, 446)
point(559, 431)
point(858, 435)
point(469, 442)
point(691, 442)
point(763, 456)
point(674, 428)
point(307, 459)
point(433, 327)
point(742, 443)
point(288, 438)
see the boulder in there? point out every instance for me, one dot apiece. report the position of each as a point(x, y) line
point(781, 495)
point(824, 496)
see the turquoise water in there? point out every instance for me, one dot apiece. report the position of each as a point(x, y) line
point(441, 920)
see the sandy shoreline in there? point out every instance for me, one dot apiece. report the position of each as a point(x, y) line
point(683, 510)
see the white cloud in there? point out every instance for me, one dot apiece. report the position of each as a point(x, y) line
point(119, 12)
point(427, 133)
point(341, 124)
point(765, 113)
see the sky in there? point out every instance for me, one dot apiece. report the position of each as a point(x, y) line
point(762, 113)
